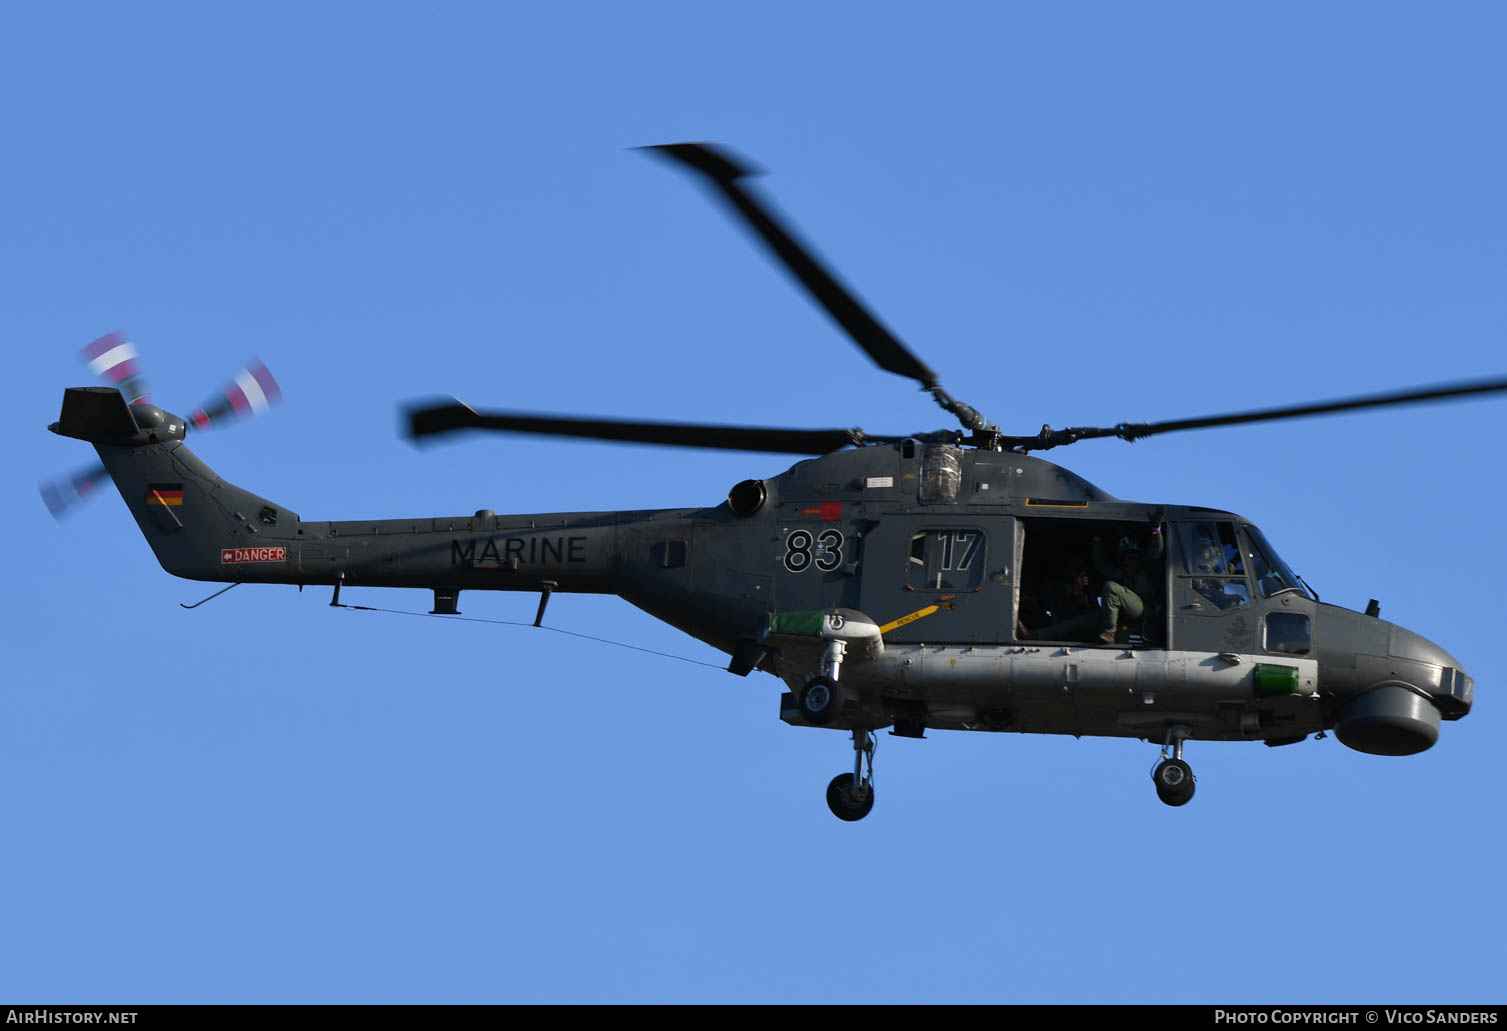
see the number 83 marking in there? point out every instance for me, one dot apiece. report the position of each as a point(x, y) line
point(824, 551)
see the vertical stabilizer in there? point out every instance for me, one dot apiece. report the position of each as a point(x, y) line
point(198, 525)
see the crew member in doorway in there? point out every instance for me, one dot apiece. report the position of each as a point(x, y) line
point(1076, 615)
point(1132, 575)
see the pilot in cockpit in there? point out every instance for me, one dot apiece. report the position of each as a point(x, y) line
point(1208, 557)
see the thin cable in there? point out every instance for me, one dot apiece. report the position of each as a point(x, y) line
point(511, 622)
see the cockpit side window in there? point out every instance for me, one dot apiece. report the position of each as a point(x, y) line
point(1212, 550)
point(1202, 543)
point(1230, 549)
point(1216, 565)
point(1288, 632)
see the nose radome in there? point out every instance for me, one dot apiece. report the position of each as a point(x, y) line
point(1390, 719)
point(1402, 696)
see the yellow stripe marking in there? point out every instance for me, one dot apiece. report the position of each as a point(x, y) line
point(911, 618)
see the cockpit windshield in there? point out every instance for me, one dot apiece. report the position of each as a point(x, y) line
point(1273, 576)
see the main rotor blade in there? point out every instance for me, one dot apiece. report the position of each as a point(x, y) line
point(1049, 438)
point(434, 420)
point(724, 172)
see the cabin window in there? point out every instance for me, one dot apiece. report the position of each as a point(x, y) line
point(947, 559)
point(668, 554)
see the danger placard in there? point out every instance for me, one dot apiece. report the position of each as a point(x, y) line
point(235, 556)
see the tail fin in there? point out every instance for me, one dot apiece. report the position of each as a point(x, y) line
point(198, 525)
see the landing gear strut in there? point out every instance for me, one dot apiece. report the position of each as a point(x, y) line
point(821, 699)
point(1173, 778)
point(850, 796)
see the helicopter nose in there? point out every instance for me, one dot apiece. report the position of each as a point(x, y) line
point(1397, 699)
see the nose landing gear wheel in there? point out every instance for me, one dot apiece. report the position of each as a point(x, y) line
point(819, 701)
point(844, 802)
point(1174, 781)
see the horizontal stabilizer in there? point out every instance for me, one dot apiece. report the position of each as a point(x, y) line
point(95, 414)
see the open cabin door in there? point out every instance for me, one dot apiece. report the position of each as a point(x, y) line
point(941, 578)
point(1081, 577)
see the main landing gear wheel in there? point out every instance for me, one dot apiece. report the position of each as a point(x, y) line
point(850, 796)
point(819, 701)
point(845, 803)
point(1173, 777)
point(1174, 781)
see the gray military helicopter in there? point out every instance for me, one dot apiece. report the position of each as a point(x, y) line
point(946, 580)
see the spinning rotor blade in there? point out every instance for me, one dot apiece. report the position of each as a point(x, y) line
point(1049, 438)
point(114, 359)
point(65, 494)
point(725, 173)
point(251, 392)
point(867, 332)
point(434, 420)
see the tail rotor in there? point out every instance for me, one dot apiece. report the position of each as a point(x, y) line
point(66, 493)
point(251, 391)
point(115, 360)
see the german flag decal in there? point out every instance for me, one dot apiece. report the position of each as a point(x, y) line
point(168, 494)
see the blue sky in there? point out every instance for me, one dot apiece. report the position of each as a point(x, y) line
point(1077, 214)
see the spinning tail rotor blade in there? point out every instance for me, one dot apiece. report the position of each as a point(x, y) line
point(65, 494)
point(251, 391)
point(726, 174)
point(114, 359)
point(435, 420)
